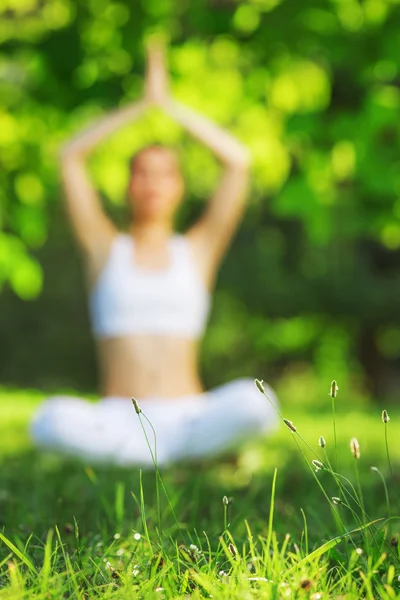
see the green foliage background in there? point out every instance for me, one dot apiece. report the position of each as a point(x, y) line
point(310, 289)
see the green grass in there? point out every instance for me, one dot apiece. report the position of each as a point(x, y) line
point(72, 530)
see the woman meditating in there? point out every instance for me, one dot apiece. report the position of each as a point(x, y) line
point(149, 300)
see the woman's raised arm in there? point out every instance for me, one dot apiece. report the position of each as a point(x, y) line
point(216, 227)
point(93, 228)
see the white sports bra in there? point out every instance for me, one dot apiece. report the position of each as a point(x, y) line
point(131, 299)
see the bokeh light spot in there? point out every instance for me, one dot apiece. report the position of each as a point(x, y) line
point(29, 189)
point(390, 236)
point(301, 87)
point(26, 278)
point(343, 157)
point(246, 18)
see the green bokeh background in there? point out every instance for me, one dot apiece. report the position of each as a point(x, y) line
point(311, 286)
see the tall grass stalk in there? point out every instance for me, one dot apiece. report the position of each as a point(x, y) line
point(305, 530)
point(333, 392)
point(387, 446)
point(143, 512)
point(271, 510)
point(376, 470)
point(138, 411)
point(225, 503)
point(360, 493)
point(159, 479)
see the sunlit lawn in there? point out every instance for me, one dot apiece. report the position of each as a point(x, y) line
point(85, 506)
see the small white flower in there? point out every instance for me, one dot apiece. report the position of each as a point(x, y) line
point(135, 571)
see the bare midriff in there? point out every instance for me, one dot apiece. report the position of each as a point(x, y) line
point(146, 366)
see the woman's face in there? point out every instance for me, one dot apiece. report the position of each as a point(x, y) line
point(155, 185)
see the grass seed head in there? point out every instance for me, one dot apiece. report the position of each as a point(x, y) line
point(290, 425)
point(318, 465)
point(306, 584)
point(260, 385)
point(225, 501)
point(355, 448)
point(385, 416)
point(195, 552)
point(232, 549)
point(336, 500)
point(136, 406)
point(321, 442)
point(334, 389)
point(192, 554)
point(114, 573)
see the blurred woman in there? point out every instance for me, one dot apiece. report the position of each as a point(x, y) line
point(150, 292)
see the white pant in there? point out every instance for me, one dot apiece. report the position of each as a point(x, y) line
point(186, 428)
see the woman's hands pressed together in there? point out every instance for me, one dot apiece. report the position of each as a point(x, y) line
point(156, 79)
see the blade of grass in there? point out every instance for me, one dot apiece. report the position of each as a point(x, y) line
point(316, 554)
point(27, 562)
point(271, 510)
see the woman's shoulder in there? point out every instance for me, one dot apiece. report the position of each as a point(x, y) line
point(100, 262)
